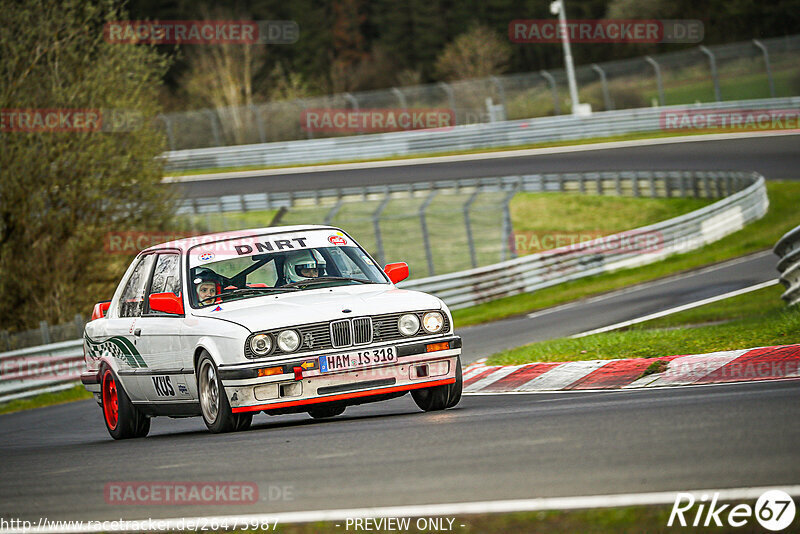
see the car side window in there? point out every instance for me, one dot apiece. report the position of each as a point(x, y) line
point(166, 276)
point(131, 302)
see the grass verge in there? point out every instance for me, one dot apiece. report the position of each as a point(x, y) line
point(755, 319)
point(46, 399)
point(760, 235)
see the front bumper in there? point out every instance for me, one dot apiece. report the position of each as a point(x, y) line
point(302, 382)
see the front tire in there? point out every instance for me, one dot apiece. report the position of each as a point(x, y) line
point(214, 404)
point(440, 397)
point(123, 420)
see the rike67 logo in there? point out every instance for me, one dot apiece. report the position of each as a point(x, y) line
point(774, 510)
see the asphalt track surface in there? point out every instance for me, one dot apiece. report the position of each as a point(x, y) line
point(56, 461)
point(776, 157)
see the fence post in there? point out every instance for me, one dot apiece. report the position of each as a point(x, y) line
point(45, 330)
point(400, 97)
point(468, 227)
point(635, 185)
point(451, 98)
point(552, 81)
point(507, 228)
point(501, 93)
point(212, 118)
point(606, 96)
point(764, 51)
point(334, 210)
point(168, 128)
point(262, 134)
point(376, 225)
point(354, 104)
point(712, 63)
point(659, 82)
point(424, 224)
point(79, 324)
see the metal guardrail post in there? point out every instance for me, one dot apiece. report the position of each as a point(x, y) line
point(788, 250)
point(606, 96)
point(376, 225)
point(712, 63)
point(424, 225)
point(554, 89)
point(765, 52)
point(659, 81)
point(468, 228)
point(354, 104)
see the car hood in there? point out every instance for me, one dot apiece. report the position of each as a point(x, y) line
point(310, 306)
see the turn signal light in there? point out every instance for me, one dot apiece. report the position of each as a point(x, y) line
point(269, 371)
point(433, 347)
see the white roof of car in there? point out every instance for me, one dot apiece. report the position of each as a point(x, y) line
point(189, 242)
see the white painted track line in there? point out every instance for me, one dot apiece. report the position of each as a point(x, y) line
point(677, 309)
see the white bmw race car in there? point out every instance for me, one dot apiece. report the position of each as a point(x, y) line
point(280, 320)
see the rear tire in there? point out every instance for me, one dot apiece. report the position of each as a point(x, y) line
point(214, 404)
point(324, 412)
point(123, 420)
point(440, 397)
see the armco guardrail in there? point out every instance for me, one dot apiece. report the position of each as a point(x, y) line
point(475, 136)
point(788, 248)
point(34, 370)
point(536, 271)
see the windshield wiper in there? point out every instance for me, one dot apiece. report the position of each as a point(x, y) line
point(324, 279)
point(250, 290)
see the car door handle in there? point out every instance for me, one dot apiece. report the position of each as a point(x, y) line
point(137, 332)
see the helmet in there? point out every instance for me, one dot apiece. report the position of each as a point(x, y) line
point(295, 262)
point(204, 275)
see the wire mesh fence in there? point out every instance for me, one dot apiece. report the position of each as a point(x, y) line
point(765, 68)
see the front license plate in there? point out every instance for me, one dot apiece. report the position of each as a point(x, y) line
point(357, 358)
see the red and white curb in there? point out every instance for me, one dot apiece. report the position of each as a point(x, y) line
point(764, 363)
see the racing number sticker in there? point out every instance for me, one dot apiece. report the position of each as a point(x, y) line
point(163, 386)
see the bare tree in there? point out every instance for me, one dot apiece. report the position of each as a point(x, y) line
point(478, 53)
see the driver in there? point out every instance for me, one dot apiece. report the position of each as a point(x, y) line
point(302, 265)
point(207, 284)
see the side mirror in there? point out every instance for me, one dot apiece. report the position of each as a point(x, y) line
point(167, 303)
point(100, 310)
point(397, 272)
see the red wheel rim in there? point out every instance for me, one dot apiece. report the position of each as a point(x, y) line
point(110, 405)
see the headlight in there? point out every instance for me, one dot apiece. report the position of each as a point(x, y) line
point(432, 322)
point(408, 324)
point(261, 344)
point(288, 340)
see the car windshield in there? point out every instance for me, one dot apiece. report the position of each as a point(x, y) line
point(298, 269)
